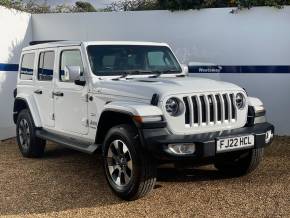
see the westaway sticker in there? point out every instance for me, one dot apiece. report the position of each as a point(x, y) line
point(217, 69)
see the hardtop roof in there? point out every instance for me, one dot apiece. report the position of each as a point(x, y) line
point(78, 43)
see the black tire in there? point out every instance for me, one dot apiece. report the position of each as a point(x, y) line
point(29, 144)
point(143, 173)
point(240, 164)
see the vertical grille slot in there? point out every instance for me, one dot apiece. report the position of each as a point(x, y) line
point(203, 109)
point(186, 115)
point(233, 106)
point(219, 110)
point(226, 107)
point(211, 108)
point(195, 109)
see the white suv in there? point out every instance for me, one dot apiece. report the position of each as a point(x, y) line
point(134, 102)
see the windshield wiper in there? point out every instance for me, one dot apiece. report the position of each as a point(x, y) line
point(158, 73)
point(125, 74)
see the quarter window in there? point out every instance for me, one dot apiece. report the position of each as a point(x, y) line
point(45, 66)
point(26, 69)
point(70, 58)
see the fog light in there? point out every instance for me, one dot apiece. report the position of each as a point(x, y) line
point(268, 136)
point(182, 148)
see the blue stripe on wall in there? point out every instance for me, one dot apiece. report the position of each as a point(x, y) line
point(8, 67)
point(206, 69)
point(239, 69)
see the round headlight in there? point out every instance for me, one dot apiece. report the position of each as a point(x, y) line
point(173, 106)
point(240, 101)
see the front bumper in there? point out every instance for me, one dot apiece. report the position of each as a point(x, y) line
point(157, 140)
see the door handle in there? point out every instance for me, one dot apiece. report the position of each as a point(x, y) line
point(59, 94)
point(38, 91)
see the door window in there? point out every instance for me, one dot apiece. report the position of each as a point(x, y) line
point(26, 69)
point(70, 58)
point(45, 66)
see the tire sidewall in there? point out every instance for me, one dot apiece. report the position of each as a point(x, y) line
point(25, 115)
point(245, 165)
point(132, 144)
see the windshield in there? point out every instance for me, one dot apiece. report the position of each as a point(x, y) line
point(110, 60)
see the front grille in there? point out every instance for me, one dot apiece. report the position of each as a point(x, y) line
point(209, 109)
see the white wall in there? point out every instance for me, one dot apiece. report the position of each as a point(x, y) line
point(256, 36)
point(260, 36)
point(15, 34)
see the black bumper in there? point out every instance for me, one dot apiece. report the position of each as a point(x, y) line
point(156, 141)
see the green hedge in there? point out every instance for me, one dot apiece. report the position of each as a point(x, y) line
point(173, 5)
point(198, 4)
point(33, 6)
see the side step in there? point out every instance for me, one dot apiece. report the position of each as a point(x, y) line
point(67, 141)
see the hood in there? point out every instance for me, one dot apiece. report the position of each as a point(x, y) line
point(144, 88)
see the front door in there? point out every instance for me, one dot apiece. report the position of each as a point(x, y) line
point(70, 100)
point(44, 86)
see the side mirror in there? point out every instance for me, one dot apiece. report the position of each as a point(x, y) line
point(184, 69)
point(72, 73)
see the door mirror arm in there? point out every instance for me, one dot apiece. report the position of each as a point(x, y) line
point(80, 82)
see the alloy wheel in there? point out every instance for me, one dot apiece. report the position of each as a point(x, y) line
point(119, 163)
point(24, 133)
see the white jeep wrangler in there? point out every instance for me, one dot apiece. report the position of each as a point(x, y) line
point(134, 102)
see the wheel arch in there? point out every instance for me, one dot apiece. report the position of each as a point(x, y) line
point(122, 112)
point(24, 102)
point(110, 118)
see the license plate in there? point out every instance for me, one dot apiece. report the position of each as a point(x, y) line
point(235, 143)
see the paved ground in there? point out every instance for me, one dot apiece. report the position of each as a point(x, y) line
point(68, 183)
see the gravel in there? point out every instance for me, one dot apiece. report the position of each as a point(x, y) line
point(67, 183)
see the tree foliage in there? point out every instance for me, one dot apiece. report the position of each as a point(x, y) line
point(84, 7)
point(173, 5)
point(133, 5)
point(32, 6)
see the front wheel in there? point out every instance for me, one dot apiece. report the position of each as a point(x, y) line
point(129, 169)
point(241, 163)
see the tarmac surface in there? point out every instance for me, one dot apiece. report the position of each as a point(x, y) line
point(66, 183)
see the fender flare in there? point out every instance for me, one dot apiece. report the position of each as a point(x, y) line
point(254, 102)
point(133, 108)
point(32, 106)
point(126, 110)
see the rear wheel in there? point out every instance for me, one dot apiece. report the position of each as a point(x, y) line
point(241, 164)
point(29, 144)
point(129, 169)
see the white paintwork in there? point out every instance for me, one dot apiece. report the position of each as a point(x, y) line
point(134, 108)
point(44, 102)
point(72, 73)
point(255, 102)
point(76, 116)
point(15, 34)
point(176, 124)
point(25, 93)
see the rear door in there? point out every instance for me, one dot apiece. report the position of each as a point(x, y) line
point(44, 86)
point(70, 101)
